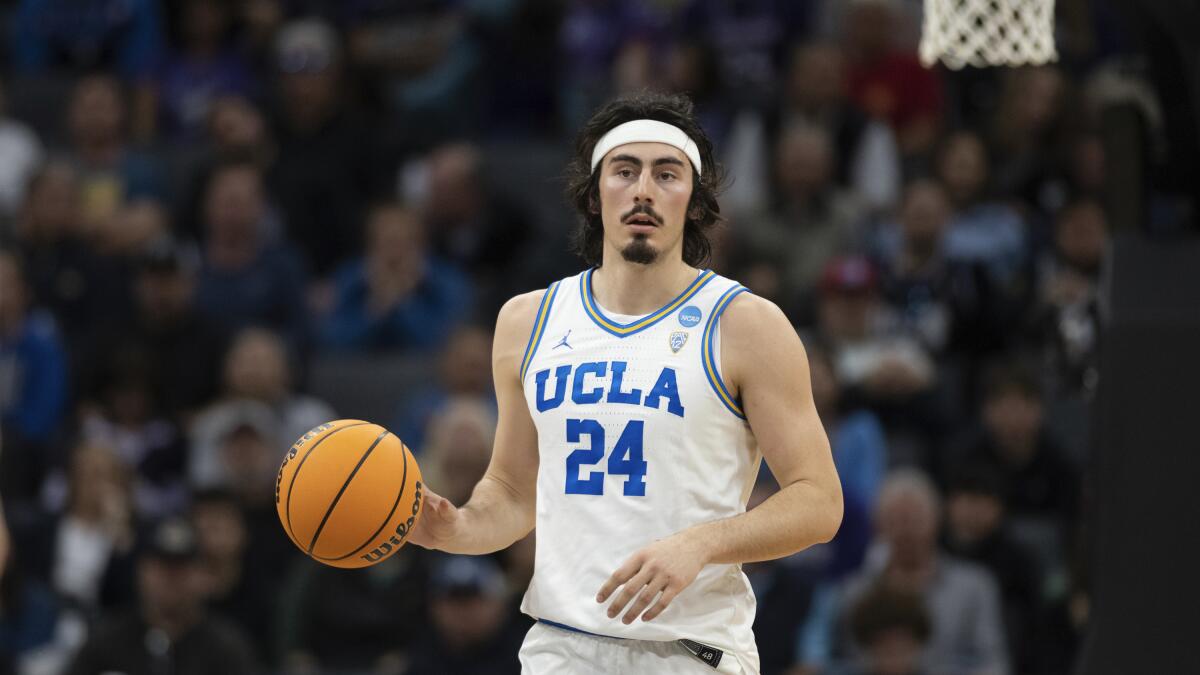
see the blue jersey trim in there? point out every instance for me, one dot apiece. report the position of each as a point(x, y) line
point(623, 330)
point(539, 327)
point(709, 359)
point(572, 629)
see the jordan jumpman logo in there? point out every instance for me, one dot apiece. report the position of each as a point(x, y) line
point(563, 342)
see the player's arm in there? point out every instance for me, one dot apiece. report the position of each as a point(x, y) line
point(501, 508)
point(764, 361)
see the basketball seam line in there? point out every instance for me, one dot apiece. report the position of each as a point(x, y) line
point(403, 484)
point(287, 509)
point(338, 496)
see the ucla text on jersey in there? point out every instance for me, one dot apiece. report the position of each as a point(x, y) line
point(592, 383)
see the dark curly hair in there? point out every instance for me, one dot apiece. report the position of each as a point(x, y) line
point(583, 185)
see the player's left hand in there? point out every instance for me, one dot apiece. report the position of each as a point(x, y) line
point(667, 566)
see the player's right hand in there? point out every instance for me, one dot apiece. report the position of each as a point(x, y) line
point(437, 524)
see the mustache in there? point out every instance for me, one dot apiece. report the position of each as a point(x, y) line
point(642, 209)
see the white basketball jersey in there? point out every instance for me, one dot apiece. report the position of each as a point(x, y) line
point(639, 439)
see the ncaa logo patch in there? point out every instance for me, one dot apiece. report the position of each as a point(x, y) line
point(678, 340)
point(689, 316)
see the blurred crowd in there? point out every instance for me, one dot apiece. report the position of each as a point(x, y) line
point(209, 208)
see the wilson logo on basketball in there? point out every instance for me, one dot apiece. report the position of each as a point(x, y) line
point(402, 530)
point(292, 454)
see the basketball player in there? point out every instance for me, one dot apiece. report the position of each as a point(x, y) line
point(636, 400)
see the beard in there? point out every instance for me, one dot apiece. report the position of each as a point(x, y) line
point(639, 251)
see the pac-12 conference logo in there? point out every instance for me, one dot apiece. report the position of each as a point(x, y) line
point(689, 316)
point(678, 340)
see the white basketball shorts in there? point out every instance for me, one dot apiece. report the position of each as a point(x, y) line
point(549, 650)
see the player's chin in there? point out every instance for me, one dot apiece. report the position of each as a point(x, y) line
point(640, 250)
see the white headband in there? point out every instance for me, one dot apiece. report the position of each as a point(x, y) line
point(646, 131)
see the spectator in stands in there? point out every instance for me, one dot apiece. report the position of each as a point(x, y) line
point(61, 35)
point(474, 632)
point(257, 370)
point(812, 219)
point(880, 367)
point(963, 602)
point(425, 59)
point(132, 231)
point(183, 349)
point(33, 398)
point(121, 412)
point(85, 291)
point(169, 630)
point(464, 371)
point(248, 275)
point(1040, 485)
point(328, 164)
point(980, 229)
point(111, 171)
point(474, 227)
point(201, 68)
point(22, 152)
point(1027, 135)
point(399, 295)
point(56, 39)
point(691, 69)
point(247, 453)
point(86, 554)
point(242, 578)
point(751, 41)
point(887, 81)
point(459, 447)
point(1066, 319)
point(236, 130)
point(589, 37)
point(369, 620)
point(258, 24)
point(31, 637)
point(866, 159)
point(893, 629)
point(976, 530)
point(948, 305)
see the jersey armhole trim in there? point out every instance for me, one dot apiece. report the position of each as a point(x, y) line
point(710, 359)
point(539, 327)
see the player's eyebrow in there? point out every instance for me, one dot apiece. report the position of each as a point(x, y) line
point(638, 162)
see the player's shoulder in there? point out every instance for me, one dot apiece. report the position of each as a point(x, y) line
point(515, 320)
point(522, 305)
point(751, 313)
point(753, 324)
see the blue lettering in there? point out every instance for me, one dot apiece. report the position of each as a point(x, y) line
point(561, 374)
point(615, 395)
point(585, 392)
point(578, 395)
point(666, 387)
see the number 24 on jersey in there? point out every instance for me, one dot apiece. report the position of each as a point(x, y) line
point(625, 460)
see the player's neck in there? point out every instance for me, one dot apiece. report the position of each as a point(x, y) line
point(633, 289)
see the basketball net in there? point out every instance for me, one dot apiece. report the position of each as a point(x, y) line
point(988, 33)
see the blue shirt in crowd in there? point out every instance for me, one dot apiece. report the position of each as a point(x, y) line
point(125, 35)
point(33, 378)
point(423, 320)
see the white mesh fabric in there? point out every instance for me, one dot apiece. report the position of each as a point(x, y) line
point(988, 32)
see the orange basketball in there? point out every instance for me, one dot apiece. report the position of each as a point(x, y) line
point(348, 493)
